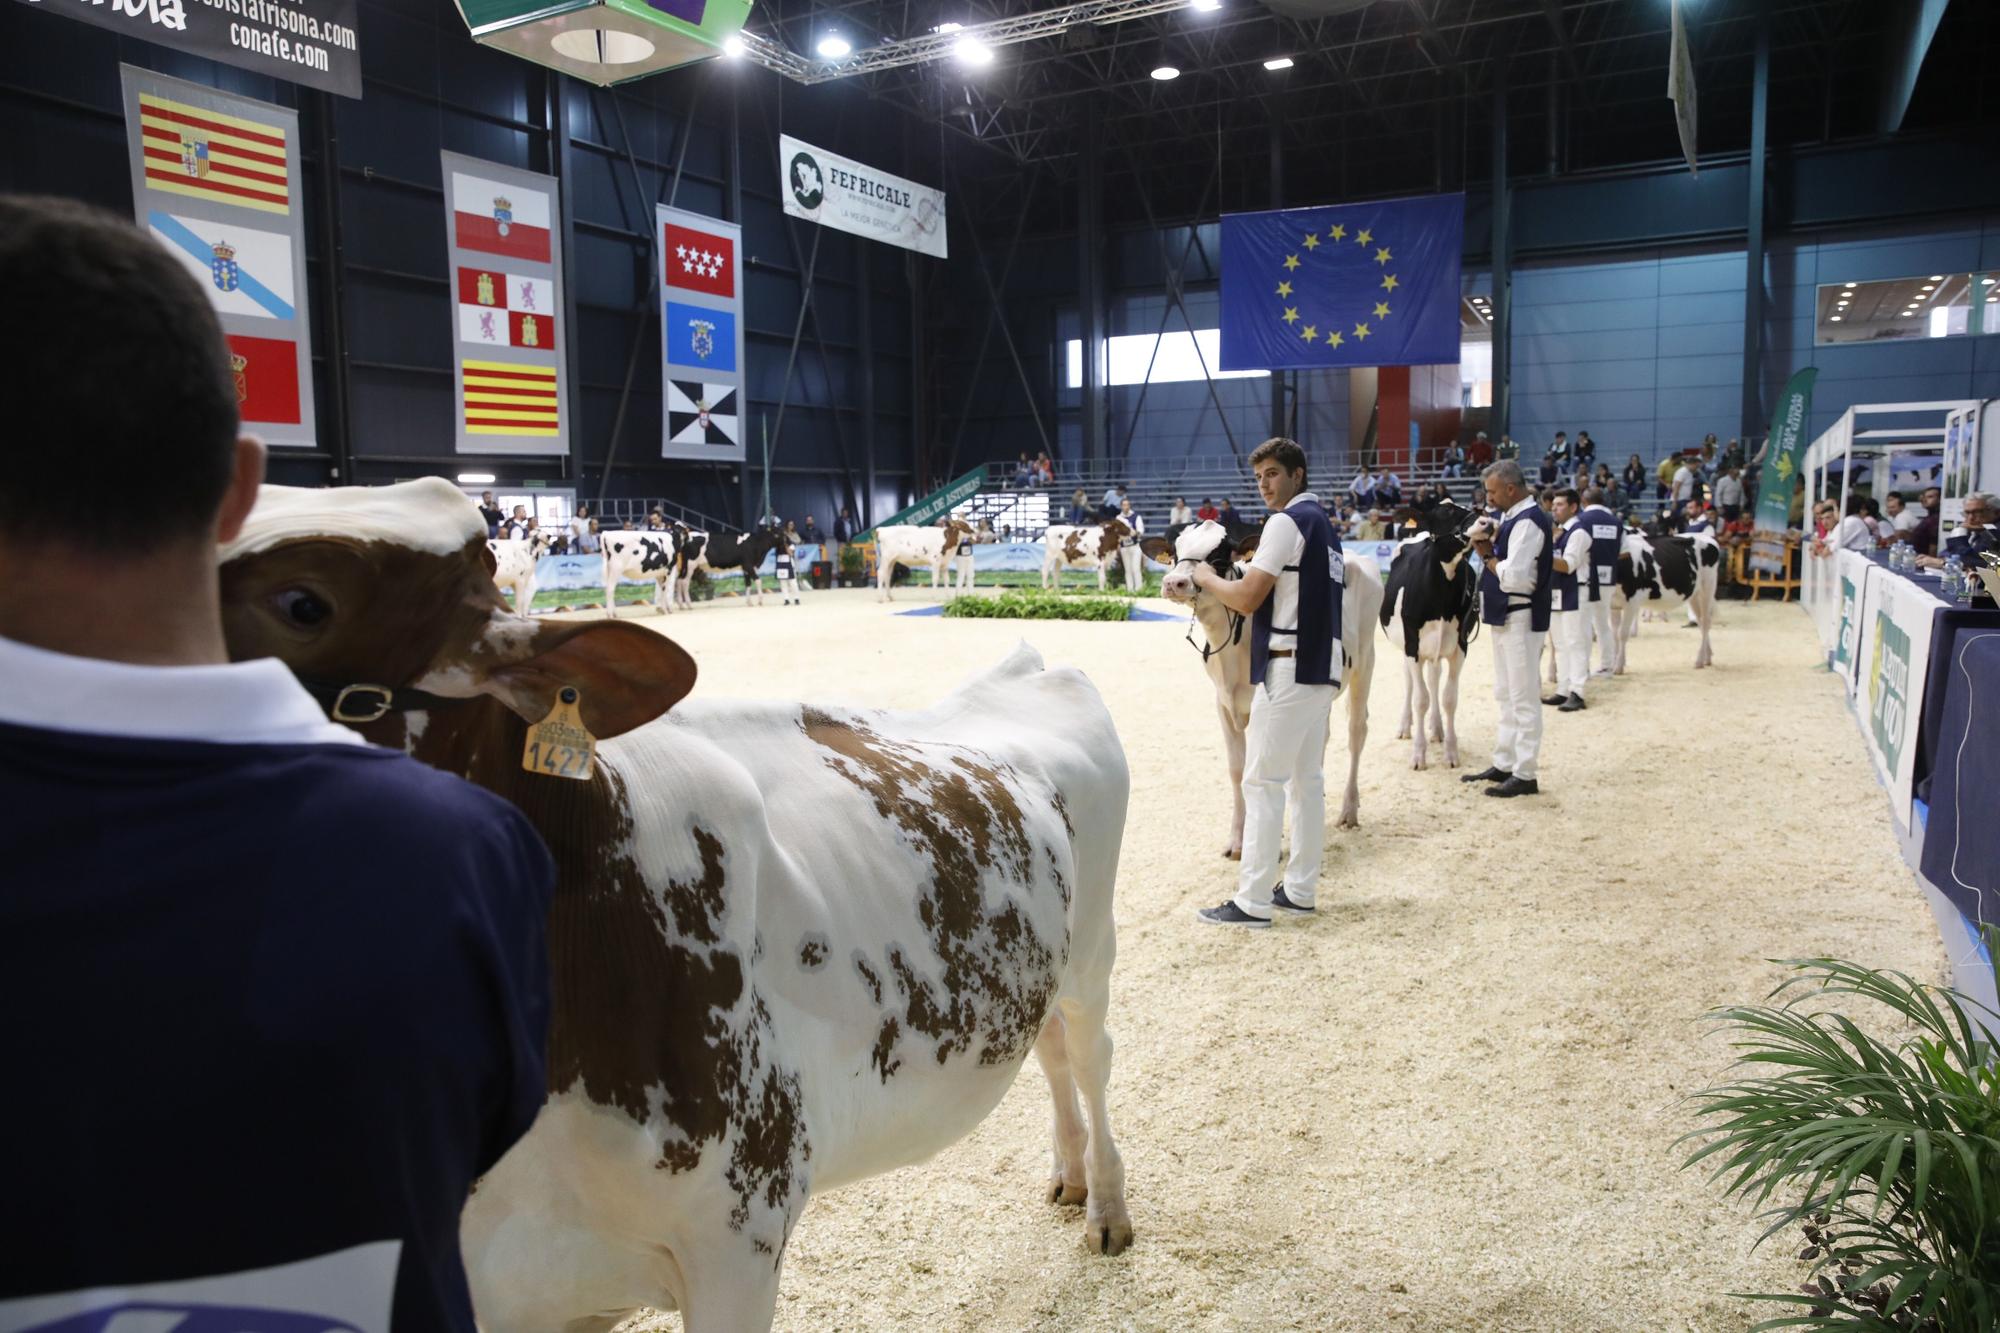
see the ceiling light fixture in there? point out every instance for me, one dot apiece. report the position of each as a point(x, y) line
point(833, 46)
point(1165, 72)
point(1836, 319)
point(1937, 277)
point(947, 27)
point(1207, 6)
point(475, 478)
point(1278, 63)
point(971, 51)
point(1850, 286)
point(732, 45)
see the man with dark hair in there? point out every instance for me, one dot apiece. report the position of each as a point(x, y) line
point(1599, 580)
point(1570, 625)
point(275, 997)
point(1514, 603)
point(1291, 592)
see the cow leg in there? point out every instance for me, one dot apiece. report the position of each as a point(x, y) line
point(1433, 667)
point(731, 1289)
point(1232, 745)
point(1417, 704)
point(882, 573)
point(1448, 707)
point(1633, 610)
point(1703, 607)
point(1107, 1226)
point(1409, 687)
point(1357, 738)
point(1067, 1180)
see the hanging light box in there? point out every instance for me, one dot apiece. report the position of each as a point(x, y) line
point(606, 41)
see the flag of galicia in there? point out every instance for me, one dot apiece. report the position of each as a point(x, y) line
point(1354, 285)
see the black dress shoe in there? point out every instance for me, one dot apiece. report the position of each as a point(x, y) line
point(1574, 704)
point(1514, 786)
point(1490, 775)
point(1554, 699)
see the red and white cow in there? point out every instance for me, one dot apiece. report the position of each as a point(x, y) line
point(754, 1000)
point(643, 557)
point(910, 545)
point(1092, 547)
point(1669, 572)
point(514, 561)
point(1226, 653)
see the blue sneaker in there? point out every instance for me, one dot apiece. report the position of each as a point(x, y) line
point(1229, 914)
point(1281, 902)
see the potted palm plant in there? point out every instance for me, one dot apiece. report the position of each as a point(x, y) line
point(1883, 1152)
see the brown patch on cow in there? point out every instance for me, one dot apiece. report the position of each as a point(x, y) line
point(869, 978)
point(697, 905)
point(885, 1045)
point(1062, 813)
point(1113, 532)
point(1073, 546)
point(960, 813)
point(812, 952)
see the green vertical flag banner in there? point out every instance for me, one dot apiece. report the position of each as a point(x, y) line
point(1782, 452)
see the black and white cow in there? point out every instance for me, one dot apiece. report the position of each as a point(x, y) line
point(730, 551)
point(1226, 654)
point(1433, 592)
point(641, 557)
point(1669, 572)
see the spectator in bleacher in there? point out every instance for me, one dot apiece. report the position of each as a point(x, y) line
point(1226, 514)
point(1546, 474)
point(1729, 494)
point(1634, 478)
point(491, 512)
point(1372, 528)
point(1615, 498)
point(1180, 513)
point(1388, 489)
point(986, 536)
point(1079, 508)
point(1738, 531)
point(656, 522)
point(1454, 459)
point(1686, 483)
point(588, 541)
point(1024, 472)
point(1559, 449)
point(1586, 451)
point(809, 533)
point(1480, 452)
point(1114, 495)
point(1732, 456)
point(1208, 513)
point(1362, 489)
point(1508, 449)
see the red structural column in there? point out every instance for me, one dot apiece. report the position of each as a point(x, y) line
point(1392, 418)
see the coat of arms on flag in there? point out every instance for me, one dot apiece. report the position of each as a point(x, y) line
point(246, 271)
point(206, 154)
point(223, 266)
point(701, 413)
point(700, 338)
point(505, 309)
point(194, 155)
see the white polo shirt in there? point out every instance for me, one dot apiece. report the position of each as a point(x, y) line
point(1281, 545)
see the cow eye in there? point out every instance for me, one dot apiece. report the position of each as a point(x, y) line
point(303, 608)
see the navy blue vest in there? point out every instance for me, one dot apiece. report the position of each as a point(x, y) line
point(1699, 525)
point(1322, 581)
point(1563, 585)
point(1604, 539)
point(784, 566)
point(1494, 603)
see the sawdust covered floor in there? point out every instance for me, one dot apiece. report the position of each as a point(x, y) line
point(1448, 1103)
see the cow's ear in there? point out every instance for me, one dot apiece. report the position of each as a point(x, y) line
point(626, 675)
point(1155, 549)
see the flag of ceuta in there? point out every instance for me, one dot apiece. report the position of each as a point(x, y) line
point(697, 261)
point(505, 309)
point(499, 219)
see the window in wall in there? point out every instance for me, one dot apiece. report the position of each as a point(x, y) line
point(1475, 349)
point(1940, 305)
point(1177, 360)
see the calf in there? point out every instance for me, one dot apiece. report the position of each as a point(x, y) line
point(641, 557)
point(514, 562)
point(1433, 592)
point(912, 545)
point(753, 1000)
point(1226, 650)
point(1671, 570)
point(1091, 547)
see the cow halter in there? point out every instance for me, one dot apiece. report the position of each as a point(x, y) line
point(369, 703)
point(1208, 650)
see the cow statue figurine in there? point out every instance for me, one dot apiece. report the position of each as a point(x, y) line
point(753, 1000)
point(514, 563)
point(1433, 596)
point(1094, 546)
point(1225, 651)
point(911, 545)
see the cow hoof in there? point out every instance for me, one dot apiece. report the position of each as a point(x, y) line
point(1232, 853)
point(1349, 821)
point(1068, 1195)
point(1403, 735)
point(1108, 1237)
point(1419, 764)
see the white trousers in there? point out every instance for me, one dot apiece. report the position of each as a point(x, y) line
point(788, 589)
point(1571, 631)
point(1135, 567)
point(1598, 615)
point(1286, 742)
point(1517, 657)
point(961, 569)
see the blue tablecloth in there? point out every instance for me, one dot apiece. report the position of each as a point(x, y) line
point(1961, 854)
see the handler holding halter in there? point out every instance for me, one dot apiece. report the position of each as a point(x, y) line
point(1291, 592)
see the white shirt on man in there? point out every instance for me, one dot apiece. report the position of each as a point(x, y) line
point(1910, 517)
point(1853, 534)
point(1517, 571)
point(1363, 484)
point(1728, 491)
point(1683, 484)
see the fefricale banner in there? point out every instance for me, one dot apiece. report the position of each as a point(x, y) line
point(215, 180)
point(839, 192)
point(312, 42)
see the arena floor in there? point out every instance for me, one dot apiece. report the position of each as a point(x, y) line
point(1450, 1103)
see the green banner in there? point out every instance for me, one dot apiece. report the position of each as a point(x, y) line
point(1850, 624)
point(1782, 453)
point(933, 506)
point(1889, 688)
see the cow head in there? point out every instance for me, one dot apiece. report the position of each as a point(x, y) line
point(956, 530)
point(392, 587)
point(1452, 529)
point(1113, 532)
point(1188, 544)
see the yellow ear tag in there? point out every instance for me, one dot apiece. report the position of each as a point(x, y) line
point(558, 745)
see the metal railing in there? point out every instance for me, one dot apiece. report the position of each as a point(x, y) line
point(614, 514)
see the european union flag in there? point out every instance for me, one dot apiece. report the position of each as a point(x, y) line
point(700, 338)
point(1353, 285)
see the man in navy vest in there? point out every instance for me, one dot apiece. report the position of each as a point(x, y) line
point(273, 998)
point(1514, 603)
point(1569, 626)
point(1599, 576)
point(1291, 592)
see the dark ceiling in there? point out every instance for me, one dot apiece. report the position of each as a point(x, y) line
point(1389, 96)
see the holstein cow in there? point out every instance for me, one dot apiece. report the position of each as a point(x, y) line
point(729, 551)
point(1226, 650)
point(911, 545)
point(692, 544)
point(1670, 571)
point(514, 563)
point(641, 557)
point(1091, 547)
point(1433, 592)
point(753, 1001)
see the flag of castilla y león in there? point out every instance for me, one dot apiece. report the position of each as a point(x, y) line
point(1372, 284)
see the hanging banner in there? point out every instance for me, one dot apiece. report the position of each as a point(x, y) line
point(701, 336)
point(215, 180)
point(508, 331)
point(310, 42)
point(841, 193)
point(1782, 451)
point(1680, 86)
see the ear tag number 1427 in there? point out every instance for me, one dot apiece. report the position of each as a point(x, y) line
point(559, 746)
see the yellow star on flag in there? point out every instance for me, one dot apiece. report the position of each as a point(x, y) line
point(1291, 314)
point(1291, 262)
point(1361, 332)
point(1334, 339)
point(1284, 289)
point(1389, 283)
point(1363, 237)
point(1381, 310)
point(1311, 242)
point(1382, 256)
point(1310, 333)
point(1339, 233)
